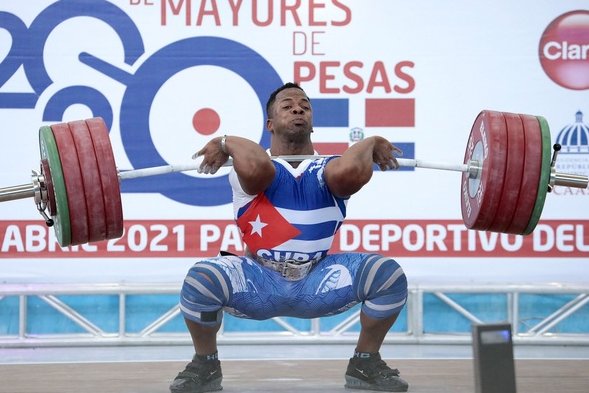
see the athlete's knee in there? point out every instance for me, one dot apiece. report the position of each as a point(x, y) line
point(204, 293)
point(382, 285)
point(380, 275)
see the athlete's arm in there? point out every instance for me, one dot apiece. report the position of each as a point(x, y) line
point(347, 174)
point(251, 163)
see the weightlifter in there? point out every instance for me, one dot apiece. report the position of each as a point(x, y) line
point(288, 214)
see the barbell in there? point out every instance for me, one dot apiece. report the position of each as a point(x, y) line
point(506, 173)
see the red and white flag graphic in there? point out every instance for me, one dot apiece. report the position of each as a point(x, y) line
point(262, 226)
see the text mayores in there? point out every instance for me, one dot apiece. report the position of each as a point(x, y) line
point(314, 13)
point(404, 238)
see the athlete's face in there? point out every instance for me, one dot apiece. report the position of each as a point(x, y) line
point(291, 113)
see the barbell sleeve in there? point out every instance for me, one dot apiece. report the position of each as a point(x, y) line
point(17, 192)
point(569, 180)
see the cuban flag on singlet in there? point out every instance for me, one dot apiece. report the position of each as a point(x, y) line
point(296, 218)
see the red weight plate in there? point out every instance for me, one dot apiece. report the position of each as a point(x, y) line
point(109, 178)
point(91, 180)
point(46, 172)
point(74, 184)
point(531, 176)
point(487, 145)
point(513, 173)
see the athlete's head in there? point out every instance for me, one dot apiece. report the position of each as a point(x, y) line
point(272, 98)
point(290, 120)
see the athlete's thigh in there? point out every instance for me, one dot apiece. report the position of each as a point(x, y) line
point(329, 287)
point(260, 293)
point(257, 292)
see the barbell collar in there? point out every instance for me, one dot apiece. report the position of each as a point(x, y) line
point(40, 188)
point(556, 147)
point(41, 206)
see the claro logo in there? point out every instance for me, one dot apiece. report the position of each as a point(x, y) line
point(564, 50)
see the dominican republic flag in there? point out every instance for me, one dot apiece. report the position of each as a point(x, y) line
point(379, 112)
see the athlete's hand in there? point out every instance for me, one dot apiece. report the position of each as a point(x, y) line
point(384, 152)
point(213, 157)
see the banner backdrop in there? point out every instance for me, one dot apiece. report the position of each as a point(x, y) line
point(168, 75)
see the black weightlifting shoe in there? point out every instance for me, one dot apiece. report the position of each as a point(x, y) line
point(199, 376)
point(373, 374)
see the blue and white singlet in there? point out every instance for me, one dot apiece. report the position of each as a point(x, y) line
point(295, 218)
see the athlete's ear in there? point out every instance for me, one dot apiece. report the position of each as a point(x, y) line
point(270, 125)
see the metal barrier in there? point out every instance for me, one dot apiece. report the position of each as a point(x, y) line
point(544, 331)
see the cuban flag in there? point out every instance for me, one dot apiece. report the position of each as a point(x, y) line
point(262, 226)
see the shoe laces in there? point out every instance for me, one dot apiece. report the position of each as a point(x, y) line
point(383, 369)
point(196, 369)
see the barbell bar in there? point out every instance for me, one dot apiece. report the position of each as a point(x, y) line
point(506, 173)
point(471, 167)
